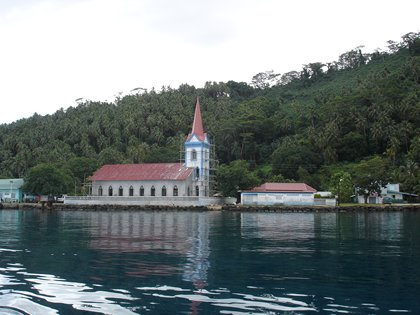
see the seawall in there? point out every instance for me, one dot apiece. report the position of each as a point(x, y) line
point(230, 208)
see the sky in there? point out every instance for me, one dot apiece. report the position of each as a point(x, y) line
point(53, 53)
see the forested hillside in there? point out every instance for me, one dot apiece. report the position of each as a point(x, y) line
point(324, 122)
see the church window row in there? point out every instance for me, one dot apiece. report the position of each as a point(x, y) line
point(142, 191)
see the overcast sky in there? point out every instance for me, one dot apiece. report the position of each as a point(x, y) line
point(54, 52)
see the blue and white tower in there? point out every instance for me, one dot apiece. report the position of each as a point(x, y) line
point(197, 154)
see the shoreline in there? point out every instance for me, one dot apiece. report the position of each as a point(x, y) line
point(230, 208)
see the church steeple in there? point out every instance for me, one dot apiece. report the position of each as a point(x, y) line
point(197, 128)
point(197, 154)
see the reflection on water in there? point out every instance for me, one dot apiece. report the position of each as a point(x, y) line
point(208, 263)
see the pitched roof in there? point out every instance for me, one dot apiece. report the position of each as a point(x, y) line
point(284, 187)
point(197, 128)
point(148, 171)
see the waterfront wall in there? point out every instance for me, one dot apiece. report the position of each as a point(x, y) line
point(347, 208)
point(168, 201)
point(230, 208)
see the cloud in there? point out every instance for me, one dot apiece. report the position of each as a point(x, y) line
point(205, 23)
point(54, 52)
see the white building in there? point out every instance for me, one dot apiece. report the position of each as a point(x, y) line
point(389, 194)
point(291, 194)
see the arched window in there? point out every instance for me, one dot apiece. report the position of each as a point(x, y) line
point(131, 191)
point(197, 191)
point(141, 191)
point(110, 191)
point(163, 191)
point(175, 192)
point(188, 191)
point(100, 191)
point(120, 191)
point(152, 191)
point(193, 155)
point(197, 172)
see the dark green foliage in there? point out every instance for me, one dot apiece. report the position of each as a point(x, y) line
point(289, 156)
point(46, 179)
point(81, 168)
point(235, 176)
point(310, 125)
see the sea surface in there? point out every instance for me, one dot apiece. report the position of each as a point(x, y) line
point(176, 262)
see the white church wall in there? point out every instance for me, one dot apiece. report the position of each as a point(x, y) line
point(148, 201)
point(147, 186)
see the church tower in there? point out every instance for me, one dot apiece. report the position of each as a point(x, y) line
point(197, 154)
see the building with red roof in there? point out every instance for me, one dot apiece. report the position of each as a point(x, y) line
point(279, 194)
point(161, 180)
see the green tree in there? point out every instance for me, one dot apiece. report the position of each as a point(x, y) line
point(80, 169)
point(289, 156)
point(234, 177)
point(46, 179)
point(341, 185)
point(370, 175)
point(110, 156)
point(264, 80)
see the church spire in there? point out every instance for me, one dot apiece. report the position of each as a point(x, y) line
point(197, 128)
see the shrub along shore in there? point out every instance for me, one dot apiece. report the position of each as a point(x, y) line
point(308, 209)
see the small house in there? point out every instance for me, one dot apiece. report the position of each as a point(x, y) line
point(390, 193)
point(11, 190)
point(296, 194)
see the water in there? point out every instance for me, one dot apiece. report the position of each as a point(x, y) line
point(209, 263)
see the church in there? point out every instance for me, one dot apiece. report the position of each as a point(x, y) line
point(180, 183)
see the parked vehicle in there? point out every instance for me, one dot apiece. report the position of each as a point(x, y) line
point(60, 198)
point(28, 198)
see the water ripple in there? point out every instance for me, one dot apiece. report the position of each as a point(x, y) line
point(79, 295)
point(52, 289)
point(241, 302)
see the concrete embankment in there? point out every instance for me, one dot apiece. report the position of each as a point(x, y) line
point(308, 209)
point(347, 208)
point(64, 207)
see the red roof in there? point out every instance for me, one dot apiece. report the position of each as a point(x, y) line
point(149, 171)
point(197, 128)
point(284, 187)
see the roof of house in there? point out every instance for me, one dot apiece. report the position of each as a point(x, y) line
point(197, 128)
point(396, 192)
point(148, 171)
point(284, 187)
point(9, 183)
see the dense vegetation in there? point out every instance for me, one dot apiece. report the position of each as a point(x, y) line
point(358, 116)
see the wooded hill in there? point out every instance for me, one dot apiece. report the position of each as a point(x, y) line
point(304, 125)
